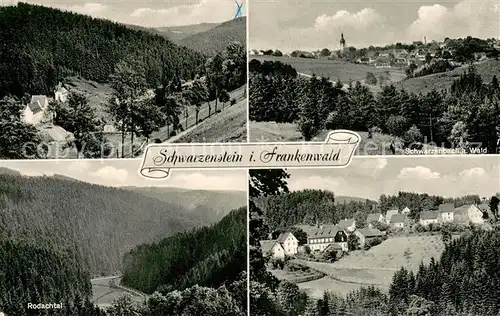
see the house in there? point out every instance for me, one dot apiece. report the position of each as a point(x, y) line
point(389, 214)
point(364, 60)
point(109, 129)
point(61, 93)
point(374, 217)
point(289, 243)
point(348, 225)
point(272, 248)
point(399, 221)
point(446, 212)
point(325, 235)
point(367, 234)
point(37, 111)
point(406, 211)
point(469, 213)
point(429, 217)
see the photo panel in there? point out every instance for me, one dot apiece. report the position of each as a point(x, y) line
point(104, 80)
point(411, 77)
point(385, 236)
point(94, 237)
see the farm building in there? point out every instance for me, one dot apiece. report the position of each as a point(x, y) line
point(325, 235)
point(399, 221)
point(469, 213)
point(367, 234)
point(446, 212)
point(374, 217)
point(289, 243)
point(272, 248)
point(348, 225)
point(429, 217)
point(37, 111)
point(389, 214)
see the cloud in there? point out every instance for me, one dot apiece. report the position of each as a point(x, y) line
point(89, 8)
point(206, 11)
point(373, 165)
point(473, 173)
point(110, 175)
point(418, 173)
point(343, 19)
point(477, 19)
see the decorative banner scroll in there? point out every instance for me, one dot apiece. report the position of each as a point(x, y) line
point(336, 151)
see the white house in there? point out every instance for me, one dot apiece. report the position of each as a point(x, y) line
point(398, 221)
point(374, 217)
point(428, 217)
point(446, 212)
point(406, 211)
point(389, 214)
point(323, 236)
point(289, 243)
point(272, 248)
point(37, 110)
point(470, 213)
point(61, 93)
point(348, 225)
point(109, 128)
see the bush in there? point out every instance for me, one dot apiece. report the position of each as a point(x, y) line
point(397, 125)
point(370, 79)
point(233, 101)
point(173, 133)
point(157, 141)
point(413, 135)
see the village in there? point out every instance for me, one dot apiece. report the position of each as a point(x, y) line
point(330, 242)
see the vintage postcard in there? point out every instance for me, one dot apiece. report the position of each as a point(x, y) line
point(94, 237)
point(411, 77)
point(104, 79)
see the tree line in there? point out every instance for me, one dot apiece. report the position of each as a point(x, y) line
point(467, 113)
point(461, 282)
point(208, 256)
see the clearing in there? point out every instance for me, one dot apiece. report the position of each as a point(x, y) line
point(106, 290)
point(288, 132)
point(375, 266)
point(335, 69)
point(229, 125)
point(441, 81)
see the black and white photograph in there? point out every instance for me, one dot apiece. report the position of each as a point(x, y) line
point(385, 237)
point(94, 238)
point(411, 77)
point(104, 79)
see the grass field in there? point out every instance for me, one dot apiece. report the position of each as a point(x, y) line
point(335, 69)
point(104, 291)
point(444, 80)
point(230, 125)
point(297, 276)
point(375, 266)
point(288, 132)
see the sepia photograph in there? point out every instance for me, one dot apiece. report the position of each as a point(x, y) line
point(385, 237)
point(103, 80)
point(411, 77)
point(94, 238)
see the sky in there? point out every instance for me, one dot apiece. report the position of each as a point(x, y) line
point(148, 13)
point(315, 24)
point(125, 172)
point(454, 176)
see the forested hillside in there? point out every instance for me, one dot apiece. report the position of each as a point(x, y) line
point(215, 204)
point(463, 116)
point(39, 274)
point(209, 256)
point(45, 45)
point(100, 223)
point(218, 38)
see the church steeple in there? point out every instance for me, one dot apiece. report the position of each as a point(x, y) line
point(342, 41)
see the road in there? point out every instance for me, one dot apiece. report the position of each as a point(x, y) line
point(106, 289)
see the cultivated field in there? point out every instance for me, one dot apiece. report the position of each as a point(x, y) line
point(230, 125)
point(377, 265)
point(335, 69)
point(288, 132)
point(444, 80)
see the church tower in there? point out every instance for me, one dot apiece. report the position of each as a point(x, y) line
point(342, 41)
